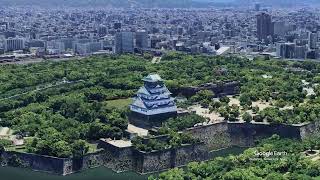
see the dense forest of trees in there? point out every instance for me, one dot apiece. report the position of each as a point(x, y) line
point(68, 99)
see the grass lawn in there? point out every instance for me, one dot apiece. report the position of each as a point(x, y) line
point(17, 148)
point(119, 103)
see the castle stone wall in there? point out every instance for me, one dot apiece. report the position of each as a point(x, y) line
point(170, 158)
point(215, 136)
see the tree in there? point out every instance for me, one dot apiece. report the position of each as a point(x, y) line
point(174, 174)
point(61, 149)
point(255, 109)
point(247, 117)
point(225, 99)
point(245, 100)
point(312, 142)
point(275, 176)
point(223, 111)
point(79, 148)
point(203, 95)
point(240, 174)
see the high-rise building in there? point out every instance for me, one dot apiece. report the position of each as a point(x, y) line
point(313, 39)
point(141, 39)
point(13, 44)
point(264, 26)
point(286, 50)
point(300, 52)
point(257, 7)
point(89, 48)
point(102, 30)
point(68, 43)
point(279, 28)
point(124, 42)
point(56, 47)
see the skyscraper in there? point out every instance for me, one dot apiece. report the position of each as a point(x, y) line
point(313, 39)
point(141, 39)
point(264, 26)
point(102, 30)
point(279, 28)
point(286, 50)
point(124, 42)
point(257, 7)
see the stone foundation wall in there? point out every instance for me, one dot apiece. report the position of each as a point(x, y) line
point(117, 159)
point(152, 162)
point(53, 165)
point(309, 129)
point(197, 152)
point(215, 136)
point(226, 134)
point(166, 159)
point(88, 161)
point(245, 134)
point(36, 162)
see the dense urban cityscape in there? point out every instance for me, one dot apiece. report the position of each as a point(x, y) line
point(160, 89)
point(290, 33)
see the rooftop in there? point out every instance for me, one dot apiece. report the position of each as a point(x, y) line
point(152, 78)
point(119, 143)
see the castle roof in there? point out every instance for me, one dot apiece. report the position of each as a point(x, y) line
point(143, 90)
point(139, 103)
point(152, 78)
point(153, 98)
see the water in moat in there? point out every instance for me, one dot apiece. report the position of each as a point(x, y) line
point(9, 173)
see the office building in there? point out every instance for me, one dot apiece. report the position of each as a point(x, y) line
point(142, 39)
point(89, 48)
point(13, 44)
point(257, 7)
point(313, 39)
point(279, 28)
point(264, 26)
point(300, 52)
point(124, 42)
point(286, 50)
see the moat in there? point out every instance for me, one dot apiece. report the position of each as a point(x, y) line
point(11, 173)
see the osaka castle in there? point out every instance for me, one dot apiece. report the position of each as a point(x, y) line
point(153, 103)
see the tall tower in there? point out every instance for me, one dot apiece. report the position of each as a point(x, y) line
point(124, 42)
point(313, 39)
point(257, 7)
point(141, 39)
point(153, 103)
point(264, 26)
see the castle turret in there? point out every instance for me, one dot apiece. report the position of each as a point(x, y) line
point(153, 103)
